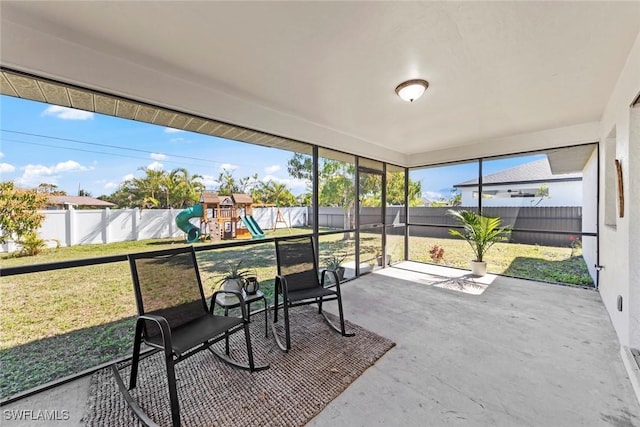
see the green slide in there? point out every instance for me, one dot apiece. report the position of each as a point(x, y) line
point(253, 227)
point(182, 221)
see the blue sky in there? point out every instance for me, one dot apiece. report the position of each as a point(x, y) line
point(96, 152)
point(41, 143)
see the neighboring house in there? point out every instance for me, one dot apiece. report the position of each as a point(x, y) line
point(531, 184)
point(73, 202)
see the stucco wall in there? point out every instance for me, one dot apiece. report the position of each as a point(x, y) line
point(560, 194)
point(590, 212)
point(619, 245)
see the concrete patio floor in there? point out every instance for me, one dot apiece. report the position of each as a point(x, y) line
point(521, 353)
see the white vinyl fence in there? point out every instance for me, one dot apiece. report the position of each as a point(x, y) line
point(84, 227)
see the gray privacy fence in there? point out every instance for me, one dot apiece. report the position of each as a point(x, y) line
point(545, 219)
point(94, 226)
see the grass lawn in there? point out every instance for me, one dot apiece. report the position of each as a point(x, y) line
point(60, 322)
point(544, 263)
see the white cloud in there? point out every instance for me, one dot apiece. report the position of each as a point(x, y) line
point(292, 183)
point(70, 165)
point(158, 156)
point(110, 186)
point(228, 166)
point(172, 130)
point(67, 113)
point(155, 166)
point(35, 174)
point(209, 181)
point(272, 169)
point(6, 168)
point(1, 154)
point(177, 140)
point(127, 177)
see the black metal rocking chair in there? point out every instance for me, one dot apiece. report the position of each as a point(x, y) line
point(173, 317)
point(298, 284)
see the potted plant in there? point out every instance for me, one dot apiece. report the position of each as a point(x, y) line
point(379, 259)
point(480, 232)
point(333, 263)
point(233, 278)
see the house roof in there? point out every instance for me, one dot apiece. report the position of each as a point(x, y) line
point(537, 171)
point(209, 197)
point(242, 198)
point(78, 201)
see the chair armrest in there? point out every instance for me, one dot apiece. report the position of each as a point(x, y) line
point(331, 272)
point(238, 294)
point(282, 281)
point(162, 323)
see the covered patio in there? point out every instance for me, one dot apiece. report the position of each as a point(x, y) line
point(504, 79)
point(520, 354)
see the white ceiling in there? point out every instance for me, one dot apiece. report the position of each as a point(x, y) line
point(325, 72)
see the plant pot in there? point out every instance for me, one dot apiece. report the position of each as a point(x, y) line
point(251, 285)
point(232, 285)
point(479, 268)
point(379, 260)
point(339, 271)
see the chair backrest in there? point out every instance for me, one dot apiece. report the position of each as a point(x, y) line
point(167, 283)
point(297, 262)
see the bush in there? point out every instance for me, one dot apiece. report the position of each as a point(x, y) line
point(19, 216)
point(436, 252)
point(32, 244)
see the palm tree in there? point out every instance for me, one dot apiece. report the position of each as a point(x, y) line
point(185, 189)
point(149, 188)
point(228, 184)
point(278, 194)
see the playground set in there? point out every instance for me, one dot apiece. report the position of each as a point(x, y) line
point(221, 217)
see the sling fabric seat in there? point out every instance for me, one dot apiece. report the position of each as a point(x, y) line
point(298, 284)
point(173, 317)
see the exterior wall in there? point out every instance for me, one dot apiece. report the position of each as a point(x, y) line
point(560, 194)
point(619, 247)
point(633, 194)
point(590, 213)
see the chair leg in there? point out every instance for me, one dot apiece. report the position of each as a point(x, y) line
point(173, 391)
point(275, 304)
point(226, 334)
point(287, 331)
point(247, 338)
point(320, 306)
point(342, 328)
point(266, 319)
point(136, 354)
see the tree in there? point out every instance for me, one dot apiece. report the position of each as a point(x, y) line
point(229, 185)
point(541, 192)
point(51, 189)
point(278, 194)
point(159, 189)
point(182, 189)
point(336, 182)
point(85, 193)
point(19, 216)
point(456, 198)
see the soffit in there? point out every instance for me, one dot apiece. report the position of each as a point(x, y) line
point(38, 89)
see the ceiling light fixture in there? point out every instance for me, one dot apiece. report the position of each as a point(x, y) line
point(412, 89)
